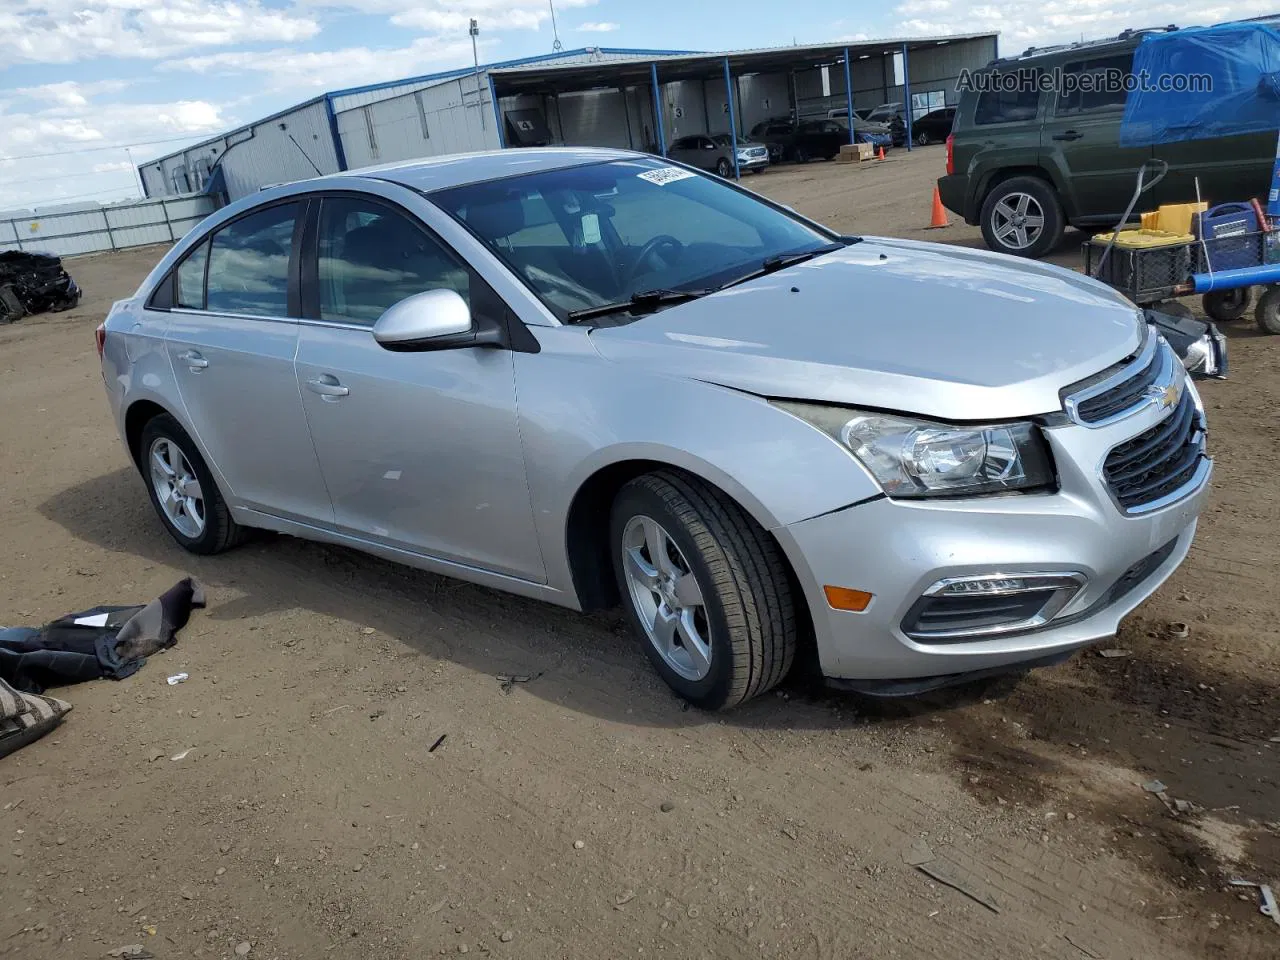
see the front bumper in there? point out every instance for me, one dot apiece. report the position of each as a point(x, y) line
point(897, 549)
point(753, 163)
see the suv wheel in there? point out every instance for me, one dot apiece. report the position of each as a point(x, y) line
point(722, 168)
point(704, 587)
point(1022, 217)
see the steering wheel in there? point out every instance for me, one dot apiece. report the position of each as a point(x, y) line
point(655, 244)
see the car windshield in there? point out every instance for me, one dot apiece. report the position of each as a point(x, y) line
point(587, 236)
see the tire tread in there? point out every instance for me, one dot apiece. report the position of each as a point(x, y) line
point(749, 575)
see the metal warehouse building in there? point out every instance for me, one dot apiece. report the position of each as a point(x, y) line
point(639, 99)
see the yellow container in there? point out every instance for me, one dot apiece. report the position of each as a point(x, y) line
point(1177, 217)
point(1146, 239)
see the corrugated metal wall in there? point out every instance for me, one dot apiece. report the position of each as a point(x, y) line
point(449, 117)
point(82, 229)
point(267, 154)
point(594, 118)
point(362, 98)
point(762, 96)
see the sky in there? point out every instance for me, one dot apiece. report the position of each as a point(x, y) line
point(93, 87)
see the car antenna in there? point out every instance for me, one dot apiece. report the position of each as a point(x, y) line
point(556, 45)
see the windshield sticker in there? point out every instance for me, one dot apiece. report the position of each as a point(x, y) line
point(664, 175)
point(591, 228)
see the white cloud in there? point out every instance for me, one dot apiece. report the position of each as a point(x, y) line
point(1024, 23)
point(65, 31)
point(61, 140)
point(439, 16)
point(598, 27)
point(333, 69)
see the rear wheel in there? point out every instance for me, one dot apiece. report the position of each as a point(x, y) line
point(705, 588)
point(183, 490)
point(1022, 217)
point(1268, 311)
point(1227, 305)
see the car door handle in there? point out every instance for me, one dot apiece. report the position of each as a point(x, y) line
point(1068, 135)
point(193, 360)
point(327, 386)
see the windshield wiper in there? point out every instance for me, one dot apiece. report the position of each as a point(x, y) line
point(784, 260)
point(645, 299)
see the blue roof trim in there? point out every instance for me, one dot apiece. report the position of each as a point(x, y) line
point(501, 64)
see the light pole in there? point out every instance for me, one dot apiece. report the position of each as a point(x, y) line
point(475, 58)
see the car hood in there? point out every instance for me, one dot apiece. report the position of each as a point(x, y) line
point(939, 331)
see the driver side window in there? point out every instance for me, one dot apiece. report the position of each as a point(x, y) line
point(371, 257)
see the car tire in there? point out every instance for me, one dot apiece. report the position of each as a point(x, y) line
point(1268, 311)
point(802, 155)
point(923, 139)
point(720, 585)
point(1227, 305)
point(723, 168)
point(1021, 196)
point(209, 527)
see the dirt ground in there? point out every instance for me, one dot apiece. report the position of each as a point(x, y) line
point(584, 814)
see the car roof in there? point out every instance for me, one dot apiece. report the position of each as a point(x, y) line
point(460, 169)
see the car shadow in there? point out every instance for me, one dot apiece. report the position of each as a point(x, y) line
point(590, 663)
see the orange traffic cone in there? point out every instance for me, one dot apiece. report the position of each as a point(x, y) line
point(881, 157)
point(939, 218)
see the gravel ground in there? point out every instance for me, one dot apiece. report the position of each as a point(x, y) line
point(584, 814)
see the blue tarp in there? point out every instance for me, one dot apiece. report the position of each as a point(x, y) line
point(1242, 61)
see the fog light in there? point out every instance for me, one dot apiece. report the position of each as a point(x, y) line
point(970, 608)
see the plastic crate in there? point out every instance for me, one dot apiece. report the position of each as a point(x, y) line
point(1143, 274)
point(1230, 252)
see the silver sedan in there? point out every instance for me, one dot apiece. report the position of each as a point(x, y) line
point(595, 377)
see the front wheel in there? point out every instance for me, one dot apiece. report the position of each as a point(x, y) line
point(723, 168)
point(1268, 311)
point(802, 155)
point(705, 588)
point(1227, 305)
point(923, 139)
point(1022, 217)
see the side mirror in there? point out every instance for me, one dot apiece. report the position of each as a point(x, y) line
point(431, 320)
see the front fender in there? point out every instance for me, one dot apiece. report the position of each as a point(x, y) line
point(580, 413)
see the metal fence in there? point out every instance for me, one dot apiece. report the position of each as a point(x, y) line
point(91, 229)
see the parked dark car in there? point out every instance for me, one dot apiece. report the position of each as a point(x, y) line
point(803, 141)
point(1023, 163)
point(933, 127)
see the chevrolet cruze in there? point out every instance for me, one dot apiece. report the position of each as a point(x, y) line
point(593, 377)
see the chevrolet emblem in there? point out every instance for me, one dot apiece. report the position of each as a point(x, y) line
point(1164, 397)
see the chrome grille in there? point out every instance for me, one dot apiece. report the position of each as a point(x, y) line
point(1146, 470)
point(1125, 387)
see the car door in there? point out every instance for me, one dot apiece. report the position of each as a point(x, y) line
point(419, 450)
point(684, 150)
point(1080, 138)
point(1227, 168)
point(231, 341)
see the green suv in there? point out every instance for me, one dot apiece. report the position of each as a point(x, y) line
point(1027, 156)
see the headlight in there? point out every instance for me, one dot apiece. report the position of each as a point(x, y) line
point(917, 458)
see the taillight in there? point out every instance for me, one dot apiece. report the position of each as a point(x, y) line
point(100, 338)
point(951, 154)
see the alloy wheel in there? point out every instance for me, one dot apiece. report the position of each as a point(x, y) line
point(177, 488)
point(666, 597)
point(1017, 220)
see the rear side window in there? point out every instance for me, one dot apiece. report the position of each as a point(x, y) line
point(1001, 105)
point(190, 291)
point(249, 264)
point(1094, 86)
